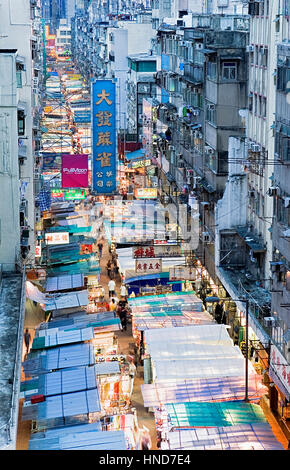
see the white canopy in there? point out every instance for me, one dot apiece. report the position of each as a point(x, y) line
point(201, 334)
point(199, 368)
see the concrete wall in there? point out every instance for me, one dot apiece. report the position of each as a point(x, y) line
point(9, 171)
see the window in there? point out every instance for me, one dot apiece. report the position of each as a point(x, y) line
point(21, 122)
point(229, 71)
point(212, 70)
point(19, 68)
point(211, 113)
point(282, 146)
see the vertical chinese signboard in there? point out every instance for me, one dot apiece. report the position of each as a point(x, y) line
point(104, 137)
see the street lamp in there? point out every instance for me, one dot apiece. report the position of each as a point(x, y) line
point(246, 300)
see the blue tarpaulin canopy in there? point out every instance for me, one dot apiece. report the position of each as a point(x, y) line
point(135, 155)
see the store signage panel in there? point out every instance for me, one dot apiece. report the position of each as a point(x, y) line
point(141, 163)
point(75, 171)
point(148, 266)
point(182, 273)
point(146, 193)
point(57, 238)
point(73, 194)
point(57, 193)
point(280, 367)
point(37, 251)
point(167, 251)
point(104, 164)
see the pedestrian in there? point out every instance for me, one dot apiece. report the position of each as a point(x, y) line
point(27, 339)
point(109, 269)
point(219, 311)
point(111, 286)
point(145, 439)
point(132, 372)
point(116, 269)
point(124, 292)
point(113, 305)
point(123, 318)
point(100, 248)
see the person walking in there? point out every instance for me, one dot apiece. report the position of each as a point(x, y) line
point(27, 339)
point(124, 292)
point(113, 305)
point(109, 269)
point(100, 248)
point(111, 287)
point(123, 318)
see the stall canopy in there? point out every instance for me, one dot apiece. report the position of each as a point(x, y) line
point(51, 338)
point(71, 380)
point(80, 437)
point(59, 358)
point(63, 406)
point(218, 414)
point(202, 334)
point(70, 300)
point(66, 282)
point(256, 436)
point(199, 390)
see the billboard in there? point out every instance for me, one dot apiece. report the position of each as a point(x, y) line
point(75, 173)
point(104, 163)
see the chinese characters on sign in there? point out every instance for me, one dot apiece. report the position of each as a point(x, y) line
point(280, 366)
point(182, 273)
point(168, 251)
point(57, 238)
point(148, 266)
point(104, 137)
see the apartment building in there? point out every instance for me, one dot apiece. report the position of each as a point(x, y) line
point(101, 46)
point(20, 65)
point(21, 28)
point(140, 85)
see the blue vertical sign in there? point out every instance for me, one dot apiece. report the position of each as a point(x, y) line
point(104, 164)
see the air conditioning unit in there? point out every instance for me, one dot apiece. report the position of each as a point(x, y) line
point(37, 216)
point(205, 237)
point(195, 112)
point(269, 321)
point(255, 148)
point(199, 45)
point(250, 48)
point(170, 147)
point(273, 191)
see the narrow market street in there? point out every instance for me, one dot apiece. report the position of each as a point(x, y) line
point(144, 310)
point(126, 347)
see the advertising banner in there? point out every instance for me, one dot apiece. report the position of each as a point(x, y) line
point(75, 173)
point(104, 164)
